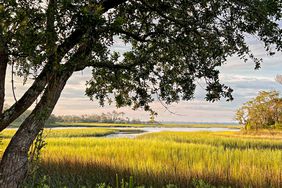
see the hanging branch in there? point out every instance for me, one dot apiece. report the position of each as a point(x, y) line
point(13, 85)
point(35, 75)
point(165, 106)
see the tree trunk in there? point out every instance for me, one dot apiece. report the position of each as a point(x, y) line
point(3, 67)
point(4, 58)
point(14, 164)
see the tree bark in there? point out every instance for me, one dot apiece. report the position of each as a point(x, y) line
point(14, 163)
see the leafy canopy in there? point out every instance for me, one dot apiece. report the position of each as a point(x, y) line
point(173, 43)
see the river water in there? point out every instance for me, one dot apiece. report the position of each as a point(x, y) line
point(146, 130)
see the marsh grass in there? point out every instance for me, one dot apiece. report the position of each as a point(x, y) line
point(159, 159)
point(235, 140)
point(55, 133)
point(159, 162)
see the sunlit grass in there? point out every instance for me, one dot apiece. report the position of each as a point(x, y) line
point(157, 159)
point(81, 132)
point(235, 140)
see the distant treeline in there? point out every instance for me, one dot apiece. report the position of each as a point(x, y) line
point(110, 117)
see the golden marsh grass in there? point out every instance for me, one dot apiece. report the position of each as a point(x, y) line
point(157, 159)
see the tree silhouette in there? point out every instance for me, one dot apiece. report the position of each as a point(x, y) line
point(172, 44)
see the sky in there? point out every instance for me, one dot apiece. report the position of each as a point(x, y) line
point(235, 73)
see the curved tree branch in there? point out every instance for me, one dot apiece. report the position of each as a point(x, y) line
point(26, 100)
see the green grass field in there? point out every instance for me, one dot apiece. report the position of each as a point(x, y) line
point(237, 159)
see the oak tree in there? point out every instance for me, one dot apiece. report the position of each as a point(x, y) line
point(173, 43)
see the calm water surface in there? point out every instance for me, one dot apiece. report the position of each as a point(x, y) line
point(146, 130)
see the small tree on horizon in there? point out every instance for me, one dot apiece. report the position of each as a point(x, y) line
point(263, 111)
point(278, 79)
